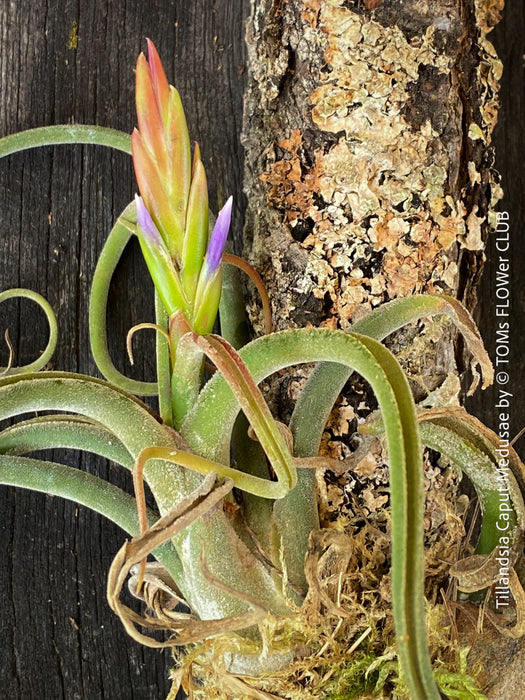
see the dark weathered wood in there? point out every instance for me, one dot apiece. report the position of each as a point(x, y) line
point(509, 146)
point(74, 62)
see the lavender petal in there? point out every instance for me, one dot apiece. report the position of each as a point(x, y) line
point(218, 237)
point(146, 224)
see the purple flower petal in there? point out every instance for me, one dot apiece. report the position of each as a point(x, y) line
point(146, 224)
point(218, 237)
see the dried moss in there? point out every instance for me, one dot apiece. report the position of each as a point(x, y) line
point(343, 637)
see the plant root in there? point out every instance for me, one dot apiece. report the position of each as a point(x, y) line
point(160, 593)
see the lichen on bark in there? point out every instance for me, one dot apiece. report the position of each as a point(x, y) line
point(369, 176)
point(368, 164)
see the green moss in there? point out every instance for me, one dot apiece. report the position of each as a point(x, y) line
point(354, 679)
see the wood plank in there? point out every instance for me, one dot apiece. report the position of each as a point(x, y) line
point(74, 62)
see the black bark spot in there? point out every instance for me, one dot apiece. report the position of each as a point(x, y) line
point(428, 99)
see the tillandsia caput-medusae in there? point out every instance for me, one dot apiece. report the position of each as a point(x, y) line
point(235, 493)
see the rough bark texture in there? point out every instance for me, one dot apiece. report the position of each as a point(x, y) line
point(369, 130)
point(368, 164)
point(370, 176)
point(368, 170)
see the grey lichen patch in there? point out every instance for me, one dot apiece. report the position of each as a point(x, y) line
point(377, 210)
point(368, 160)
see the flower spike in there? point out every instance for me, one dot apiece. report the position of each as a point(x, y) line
point(161, 150)
point(183, 259)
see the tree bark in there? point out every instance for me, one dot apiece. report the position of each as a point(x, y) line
point(368, 168)
point(369, 173)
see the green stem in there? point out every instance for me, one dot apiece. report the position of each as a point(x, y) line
point(65, 134)
point(98, 301)
point(232, 310)
point(186, 379)
point(163, 364)
point(53, 331)
point(88, 490)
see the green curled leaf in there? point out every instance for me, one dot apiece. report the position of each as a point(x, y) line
point(57, 479)
point(494, 469)
point(256, 410)
point(64, 431)
point(328, 379)
point(98, 301)
point(134, 425)
point(46, 356)
point(118, 412)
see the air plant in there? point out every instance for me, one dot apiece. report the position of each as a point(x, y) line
point(236, 506)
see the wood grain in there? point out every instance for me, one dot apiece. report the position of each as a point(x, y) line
point(74, 62)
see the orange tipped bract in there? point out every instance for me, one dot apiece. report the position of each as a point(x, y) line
point(161, 150)
point(174, 192)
